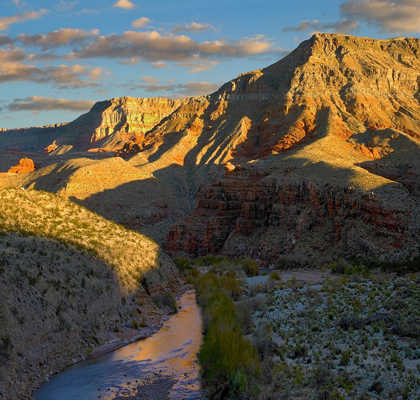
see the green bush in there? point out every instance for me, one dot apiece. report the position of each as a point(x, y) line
point(166, 299)
point(232, 287)
point(274, 276)
point(210, 259)
point(191, 275)
point(183, 264)
point(228, 361)
point(5, 348)
point(250, 267)
point(345, 358)
point(231, 273)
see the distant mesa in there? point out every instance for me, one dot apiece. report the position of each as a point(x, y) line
point(24, 165)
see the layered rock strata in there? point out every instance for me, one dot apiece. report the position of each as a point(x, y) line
point(276, 221)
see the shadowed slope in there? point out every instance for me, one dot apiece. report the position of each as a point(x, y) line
point(69, 281)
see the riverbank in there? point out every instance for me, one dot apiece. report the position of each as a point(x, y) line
point(340, 332)
point(166, 362)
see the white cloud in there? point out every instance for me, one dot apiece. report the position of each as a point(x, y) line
point(139, 23)
point(5, 39)
point(22, 17)
point(126, 4)
point(193, 27)
point(13, 69)
point(198, 66)
point(159, 64)
point(58, 38)
point(18, 3)
point(149, 79)
point(394, 16)
point(181, 89)
point(397, 16)
point(199, 88)
point(65, 5)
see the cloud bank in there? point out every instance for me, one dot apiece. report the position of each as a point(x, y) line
point(37, 103)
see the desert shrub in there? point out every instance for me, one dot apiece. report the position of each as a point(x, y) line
point(321, 376)
point(400, 267)
point(250, 267)
point(232, 287)
point(207, 285)
point(224, 350)
point(167, 300)
point(191, 275)
point(245, 310)
point(339, 267)
point(347, 322)
point(210, 259)
point(345, 357)
point(377, 387)
point(231, 273)
point(274, 276)
point(183, 264)
point(5, 348)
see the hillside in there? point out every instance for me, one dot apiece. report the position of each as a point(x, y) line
point(69, 281)
point(313, 157)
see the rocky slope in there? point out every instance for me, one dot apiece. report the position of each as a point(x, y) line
point(323, 143)
point(69, 281)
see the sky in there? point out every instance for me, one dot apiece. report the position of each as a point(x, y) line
point(58, 57)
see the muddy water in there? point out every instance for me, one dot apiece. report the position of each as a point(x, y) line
point(161, 366)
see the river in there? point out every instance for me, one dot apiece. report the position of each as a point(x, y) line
point(162, 366)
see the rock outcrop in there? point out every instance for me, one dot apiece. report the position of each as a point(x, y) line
point(25, 165)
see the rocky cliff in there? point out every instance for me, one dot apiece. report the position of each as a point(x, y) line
point(107, 127)
point(292, 223)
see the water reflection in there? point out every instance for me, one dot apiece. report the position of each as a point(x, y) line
point(166, 362)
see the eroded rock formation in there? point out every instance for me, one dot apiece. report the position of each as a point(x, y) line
point(248, 215)
point(24, 165)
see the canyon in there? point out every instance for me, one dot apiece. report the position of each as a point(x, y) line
point(322, 144)
point(311, 160)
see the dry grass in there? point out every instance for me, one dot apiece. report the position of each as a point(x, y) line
point(43, 214)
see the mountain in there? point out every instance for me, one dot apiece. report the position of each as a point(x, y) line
point(310, 159)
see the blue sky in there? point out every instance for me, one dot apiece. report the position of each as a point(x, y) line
point(60, 56)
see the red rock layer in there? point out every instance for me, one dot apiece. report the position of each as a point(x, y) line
point(250, 216)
